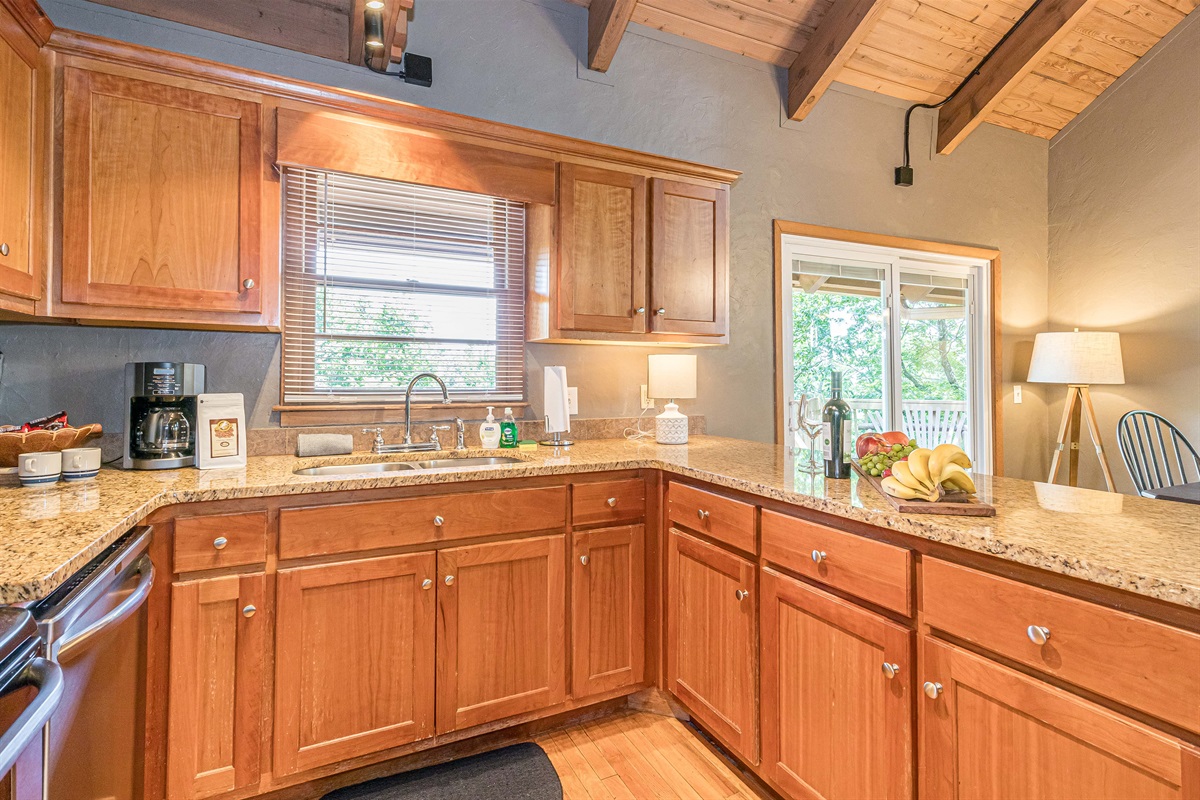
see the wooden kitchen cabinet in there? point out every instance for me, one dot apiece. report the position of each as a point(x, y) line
point(21, 154)
point(354, 658)
point(991, 731)
point(837, 689)
point(218, 637)
point(689, 258)
point(608, 627)
point(162, 204)
point(501, 647)
point(711, 643)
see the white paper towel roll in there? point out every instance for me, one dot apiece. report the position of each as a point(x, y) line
point(558, 415)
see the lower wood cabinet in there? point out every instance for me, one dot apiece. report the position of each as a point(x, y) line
point(989, 731)
point(837, 688)
point(218, 639)
point(501, 637)
point(711, 643)
point(608, 628)
point(354, 658)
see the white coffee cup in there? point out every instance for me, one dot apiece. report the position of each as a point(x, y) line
point(80, 463)
point(39, 469)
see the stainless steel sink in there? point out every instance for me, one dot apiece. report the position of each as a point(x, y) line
point(402, 466)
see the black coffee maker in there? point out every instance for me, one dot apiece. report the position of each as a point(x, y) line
point(160, 414)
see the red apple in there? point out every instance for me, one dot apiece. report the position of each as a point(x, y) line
point(894, 437)
point(869, 443)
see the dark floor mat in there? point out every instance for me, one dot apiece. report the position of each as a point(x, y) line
point(517, 772)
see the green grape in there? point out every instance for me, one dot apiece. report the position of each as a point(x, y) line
point(912, 443)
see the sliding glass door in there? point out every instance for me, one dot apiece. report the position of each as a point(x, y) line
point(907, 330)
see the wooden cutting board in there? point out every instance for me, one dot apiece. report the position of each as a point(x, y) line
point(960, 505)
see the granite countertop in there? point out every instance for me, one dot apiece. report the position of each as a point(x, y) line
point(1149, 547)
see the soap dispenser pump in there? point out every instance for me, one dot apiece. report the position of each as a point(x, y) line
point(489, 431)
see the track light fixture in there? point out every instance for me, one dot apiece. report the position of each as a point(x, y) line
point(373, 27)
point(418, 70)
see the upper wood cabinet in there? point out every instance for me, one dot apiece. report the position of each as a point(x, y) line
point(689, 258)
point(21, 167)
point(162, 205)
point(354, 659)
point(837, 688)
point(218, 635)
point(990, 731)
point(608, 597)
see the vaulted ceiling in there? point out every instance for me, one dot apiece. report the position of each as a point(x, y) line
point(1062, 56)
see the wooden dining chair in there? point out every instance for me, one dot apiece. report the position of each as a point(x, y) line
point(1155, 452)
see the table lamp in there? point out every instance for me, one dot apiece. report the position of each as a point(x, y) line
point(673, 377)
point(1078, 359)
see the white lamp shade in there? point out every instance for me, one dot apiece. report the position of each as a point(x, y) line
point(1079, 357)
point(672, 377)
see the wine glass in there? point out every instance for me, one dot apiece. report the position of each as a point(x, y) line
point(810, 423)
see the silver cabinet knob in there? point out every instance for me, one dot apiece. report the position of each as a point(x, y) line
point(661, 311)
point(1037, 634)
point(248, 611)
point(248, 283)
point(427, 584)
point(890, 670)
point(439, 521)
point(584, 560)
point(3, 248)
point(449, 580)
point(741, 594)
point(932, 690)
point(702, 514)
point(612, 502)
point(641, 309)
point(818, 556)
point(220, 542)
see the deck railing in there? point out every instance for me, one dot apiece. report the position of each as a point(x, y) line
point(930, 422)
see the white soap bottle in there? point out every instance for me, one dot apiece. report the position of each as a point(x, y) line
point(489, 431)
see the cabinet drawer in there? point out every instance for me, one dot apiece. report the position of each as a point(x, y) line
point(225, 540)
point(346, 528)
point(730, 521)
point(608, 502)
point(1135, 661)
point(878, 573)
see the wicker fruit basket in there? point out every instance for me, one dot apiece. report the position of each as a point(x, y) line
point(15, 443)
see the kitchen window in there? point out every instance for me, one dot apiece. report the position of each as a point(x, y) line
point(911, 330)
point(384, 280)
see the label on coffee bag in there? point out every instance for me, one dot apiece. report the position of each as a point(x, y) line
point(223, 437)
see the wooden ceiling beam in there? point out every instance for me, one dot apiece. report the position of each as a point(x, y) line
point(837, 36)
point(1016, 57)
point(607, 21)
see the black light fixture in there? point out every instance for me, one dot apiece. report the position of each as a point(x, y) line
point(418, 70)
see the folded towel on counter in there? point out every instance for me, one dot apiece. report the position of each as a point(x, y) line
point(324, 444)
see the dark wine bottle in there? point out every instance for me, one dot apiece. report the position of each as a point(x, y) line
point(837, 420)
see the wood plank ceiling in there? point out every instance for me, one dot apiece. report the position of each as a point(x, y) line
point(920, 50)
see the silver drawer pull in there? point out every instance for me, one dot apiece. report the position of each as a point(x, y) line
point(4, 249)
point(890, 670)
point(612, 502)
point(427, 584)
point(449, 580)
point(641, 309)
point(1037, 634)
point(932, 690)
point(248, 611)
point(661, 311)
point(702, 514)
point(439, 521)
point(220, 542)
point(741, 594)
point(248, 283)
point(818, 556)
point(584, 560)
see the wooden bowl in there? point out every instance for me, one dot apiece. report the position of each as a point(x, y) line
point(14, 444)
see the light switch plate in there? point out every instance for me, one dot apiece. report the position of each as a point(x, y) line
point(647, 402)
point(1017, 395)
point(572, 399)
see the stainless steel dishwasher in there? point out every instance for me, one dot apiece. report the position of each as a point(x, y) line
point(95, 630)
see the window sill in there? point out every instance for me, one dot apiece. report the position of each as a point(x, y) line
point(345, 414)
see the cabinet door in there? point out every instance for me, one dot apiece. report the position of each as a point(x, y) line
point(689, 259)
point(501, 630)
point(994, 732)
point(711, 639)
point(836, 722)
point(218, 635)
point(18, 158)
point(354, 650)
point(602, 250)
point(608, 592)
point(161, 197)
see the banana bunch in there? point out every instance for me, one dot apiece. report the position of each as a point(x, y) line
point(928, 474)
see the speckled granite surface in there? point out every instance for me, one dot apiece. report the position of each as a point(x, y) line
point(1145, 546)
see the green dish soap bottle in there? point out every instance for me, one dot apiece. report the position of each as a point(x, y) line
point(508, 430)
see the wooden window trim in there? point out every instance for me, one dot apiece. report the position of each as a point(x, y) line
point(368, 414)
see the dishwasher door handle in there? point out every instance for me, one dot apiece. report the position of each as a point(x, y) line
point(48, 677)
point(122, 612)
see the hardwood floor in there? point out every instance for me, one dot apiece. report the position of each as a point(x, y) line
point(636, 755)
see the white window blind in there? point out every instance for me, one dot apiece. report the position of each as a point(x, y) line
point(384, 280)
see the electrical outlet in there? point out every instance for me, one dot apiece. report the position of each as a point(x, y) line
point(1017, 395)
point(647, 402)
point(572, 399)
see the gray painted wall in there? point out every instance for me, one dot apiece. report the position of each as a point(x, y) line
point(518, 61)
point(1125, 239)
